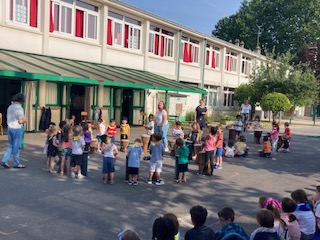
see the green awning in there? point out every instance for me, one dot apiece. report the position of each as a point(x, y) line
point(39, 67)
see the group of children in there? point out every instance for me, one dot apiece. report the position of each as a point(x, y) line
point(295, 218)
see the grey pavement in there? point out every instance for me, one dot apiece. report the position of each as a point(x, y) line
point(37, 205)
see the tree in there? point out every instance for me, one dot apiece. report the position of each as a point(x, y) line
point(243, 92)
point(285, 25)
point(275, 102)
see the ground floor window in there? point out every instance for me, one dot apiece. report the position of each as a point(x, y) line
point(51, 93)
point(228, 97)
point(212, 97)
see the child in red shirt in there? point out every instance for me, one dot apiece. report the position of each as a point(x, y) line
point(112, 130)
point(219, 146)
point(287, 130)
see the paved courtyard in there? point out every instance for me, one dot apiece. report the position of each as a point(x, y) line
point(38, 205)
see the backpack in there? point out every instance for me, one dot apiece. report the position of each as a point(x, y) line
point(284, 235)
point(233, 236)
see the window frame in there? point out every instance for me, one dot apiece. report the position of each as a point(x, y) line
point(190, 41)
point(66, 5)
point(234, 58)
point(14, 3)
point(248, 62)
point(213, 91)
point(86, 21)
point(213, 50)
point(166, 38)
point(228, 97)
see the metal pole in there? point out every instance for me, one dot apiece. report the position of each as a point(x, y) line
point(111, 102)
point(23, 90)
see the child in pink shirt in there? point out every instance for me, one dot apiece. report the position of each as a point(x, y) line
point(274, 137)
point(209, 148)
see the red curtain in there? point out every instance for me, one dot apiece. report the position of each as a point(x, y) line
point(51, 26)
point(162, 47)
point(207, 57)
point(213, 64)
point(156, 44)
point(79, 23)
point(230, 63)
point(126, 36)
point(226, 63)
point(109, 32)
point(190, 53)
point(11, 9)
point(33, 13)
point(185, 52)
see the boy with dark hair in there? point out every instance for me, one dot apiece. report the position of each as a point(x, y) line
point(229, 227)
point(200, 231)
point(265, 219)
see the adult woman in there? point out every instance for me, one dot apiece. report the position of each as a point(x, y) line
point(199, 114)
point(162, 124)
point(245, 111)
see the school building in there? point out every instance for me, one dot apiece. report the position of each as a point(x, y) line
point(84, 55)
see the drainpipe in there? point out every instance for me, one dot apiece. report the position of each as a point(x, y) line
point(111, 102)
point(178, 57)
point(37, 105)
point(203, 64)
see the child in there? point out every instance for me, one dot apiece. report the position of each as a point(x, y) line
point(209, 148)
point(266, 230)
point(316, 197)
point(257, 127)
point(52, 148)
point(78, 145)
point(156, 150)
point(150, 126)
point(124, 129)
point(266, 148)
point(134, 154)
point(229, 227)
point(285, 144)
point(274, 137)
point(304, 214)
point(128, 235)
point(287, 130)
point(219, 146)
point(241, 147)
point(238, 124)
point(109, 151)
point(87, 140)
point(176, 224)
point(200, 231)
point(66, 149)
point(72, 120)
point(194, 137)
point(112, 130)
point(101, 131)
point(288, 207)
point(229, 149)
point(177, 131)
point(59, 142)
point(183, 153)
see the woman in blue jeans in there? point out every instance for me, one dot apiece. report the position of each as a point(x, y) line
point(162, 124)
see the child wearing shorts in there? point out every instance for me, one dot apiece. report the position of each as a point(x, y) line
point(101, 131)
point(134, 154)
point(156, 150)
point(219, 147)
point(78, 145)
point(183, 153)
point(109, 151)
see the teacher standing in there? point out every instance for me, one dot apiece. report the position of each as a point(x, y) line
point(15, 120)
point(199, 115)
point(162, 124)
point(245, 111)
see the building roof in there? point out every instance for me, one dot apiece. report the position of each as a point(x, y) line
point(40, 67)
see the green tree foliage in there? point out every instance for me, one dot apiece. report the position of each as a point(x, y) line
point(279, 74)
point(243, 92)
point(275, 102)
point(285, 25)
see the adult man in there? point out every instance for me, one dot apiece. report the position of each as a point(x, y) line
point(15, 119)
point(245, 111)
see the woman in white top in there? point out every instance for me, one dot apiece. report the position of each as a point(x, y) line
point(245, 111)
point(162, 124)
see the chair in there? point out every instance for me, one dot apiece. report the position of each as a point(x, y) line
point(1, 127)
point(142, 119)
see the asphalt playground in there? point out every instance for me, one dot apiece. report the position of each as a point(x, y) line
point(37, 205)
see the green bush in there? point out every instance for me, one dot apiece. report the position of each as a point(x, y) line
point(228, 118)
point(190, 116)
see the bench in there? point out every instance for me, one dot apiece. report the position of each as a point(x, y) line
point(173, 118)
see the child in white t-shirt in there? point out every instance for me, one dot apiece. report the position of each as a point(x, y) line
point(177, 131)
point(150, 125)
point(229, 149)
point(238, 124)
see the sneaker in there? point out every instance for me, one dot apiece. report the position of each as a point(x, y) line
point(166, 150)
point(149, 181)
point(80, 176)
point(288, 150)
point(135, 183)
point(215, 165)
point(112, 182)
point(5, 165)
point(73, 175)
point(130, 182)
point(159, 182)
point(219, 167)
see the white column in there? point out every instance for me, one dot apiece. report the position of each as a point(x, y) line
point(44, 24)
point(100, 96)
point(3, 11)
point(239, 68)
point(103, 32)
point(223, 52)
point(42, 93)
point(176, 56)
point(145, 43)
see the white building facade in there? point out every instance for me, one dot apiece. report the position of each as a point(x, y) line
point(76, 56)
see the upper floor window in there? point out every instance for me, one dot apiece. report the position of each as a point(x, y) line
point(246, 65)
point(212, 56)
point(24, 11)
point(190, 50)
point(161, 42)
point(74, 17)
point(123, 31)
point(231, 61)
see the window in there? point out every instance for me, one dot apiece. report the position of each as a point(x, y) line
point(231, 62)
point(161, 42)
point(190, 50)
point(212, 97)
point(123, 31)
point(228, 100)
point(246, 65)
point(24, 12)
point(74, 17)
point(51, 93)
point(212, 56)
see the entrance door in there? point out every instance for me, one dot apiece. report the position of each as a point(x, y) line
point(127, 104)
point(77, 96)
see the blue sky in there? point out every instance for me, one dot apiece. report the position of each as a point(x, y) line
point(201, 15)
